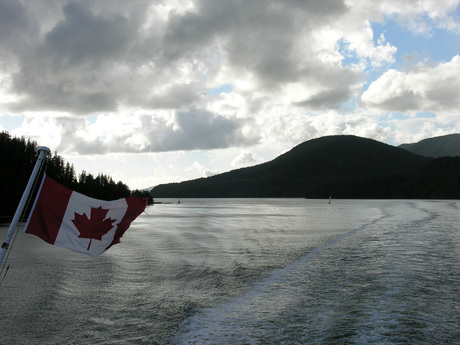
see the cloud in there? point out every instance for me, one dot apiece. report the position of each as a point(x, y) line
point(204, 172)
point(209, 173)
point(17, 29)
point(245, 158)
point(85, 38)
point(194, 129)
point(177, 96)
point(424, 88)
point(72, 68)
point(93, 59)
point(200, 129)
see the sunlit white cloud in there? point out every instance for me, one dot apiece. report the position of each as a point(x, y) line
point(245, 158)
point(424, 88)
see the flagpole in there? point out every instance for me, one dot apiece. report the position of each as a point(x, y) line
point(42, 153)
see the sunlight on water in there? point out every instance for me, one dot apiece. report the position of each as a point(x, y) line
point(248, 271)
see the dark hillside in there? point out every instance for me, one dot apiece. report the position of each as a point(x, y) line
point(447, 145)
point(346, 157)
point(343, 166)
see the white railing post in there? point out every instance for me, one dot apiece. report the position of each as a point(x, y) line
point(42, 153)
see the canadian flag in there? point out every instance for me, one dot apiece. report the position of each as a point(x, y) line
point(77, 222)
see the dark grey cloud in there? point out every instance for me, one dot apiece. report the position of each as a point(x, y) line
point(338, 85)
point(17, 29)
point(327, 99)
point(57, 98)
point(83, 38)
point(197, 129)
point(194, 129)
point(443, 92)
point(71, 69)
point(177, 96)
point(206, 130)
point(257, 37)
point(406, 100)
point(95, 57)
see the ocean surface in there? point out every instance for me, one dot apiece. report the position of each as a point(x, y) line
point(247, 271)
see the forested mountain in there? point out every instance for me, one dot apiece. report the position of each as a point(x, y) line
point(340, 166)
point(17, 160)
point(446, 145)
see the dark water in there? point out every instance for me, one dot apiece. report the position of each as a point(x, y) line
point(239, 271)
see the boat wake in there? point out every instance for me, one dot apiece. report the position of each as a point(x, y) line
point(269, 309)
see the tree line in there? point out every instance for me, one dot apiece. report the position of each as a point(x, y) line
point(17, 160)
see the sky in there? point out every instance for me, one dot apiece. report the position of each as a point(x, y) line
point(152, 92)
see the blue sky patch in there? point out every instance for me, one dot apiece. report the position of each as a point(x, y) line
point(11, 122)
point(437, 45)
point(226, 88)
point(426, 115)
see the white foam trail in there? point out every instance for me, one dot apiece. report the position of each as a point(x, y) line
point(248, 318)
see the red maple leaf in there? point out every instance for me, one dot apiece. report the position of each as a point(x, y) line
point(94, 227)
